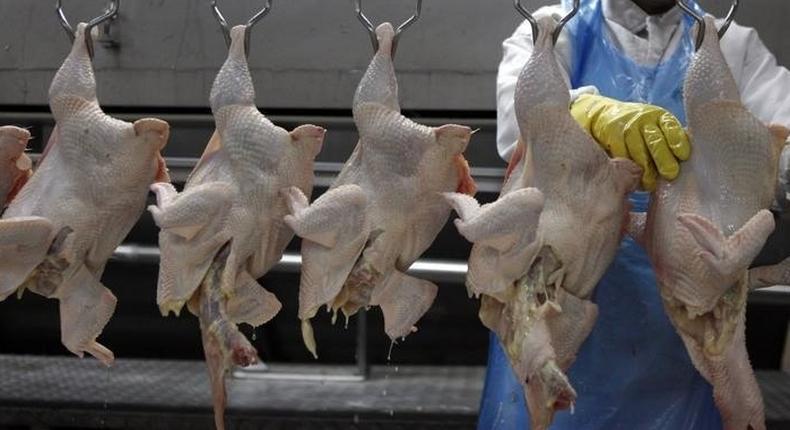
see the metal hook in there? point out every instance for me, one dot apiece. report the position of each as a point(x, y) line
point(528, 16)
point(701, 21)
point(730, 18)
point(372, 30)
point(267, 7)
point(534, 23)
point(558, 29)
point(110, 13)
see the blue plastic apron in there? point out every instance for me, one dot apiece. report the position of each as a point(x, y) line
point(633, 371)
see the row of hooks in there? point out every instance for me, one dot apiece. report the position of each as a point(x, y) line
point(112, 12)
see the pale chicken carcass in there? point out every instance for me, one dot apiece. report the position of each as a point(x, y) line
point(706, 227)
point(15, 166)
point(541, 248)
point(87, 193)
point(232, 197)
point(382, 212)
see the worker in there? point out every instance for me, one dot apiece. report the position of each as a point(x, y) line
point(625, 62)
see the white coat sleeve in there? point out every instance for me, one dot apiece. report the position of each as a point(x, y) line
point(764, 86)
point(516, 50)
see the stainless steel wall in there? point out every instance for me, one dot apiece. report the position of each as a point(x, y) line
point(305, 54)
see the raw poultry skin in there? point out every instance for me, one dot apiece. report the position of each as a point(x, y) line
point(85, 196)
point(226, 229)
point(382, 212)
point(541, 248)
point(15, 166)
point(706, 227)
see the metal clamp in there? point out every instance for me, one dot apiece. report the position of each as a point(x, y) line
point(110, 14)
point(701, 21)
point(534, 23)
point(372, 30)
point(267, 6)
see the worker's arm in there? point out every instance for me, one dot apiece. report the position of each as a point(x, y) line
point(516, 50)
point(764, 86)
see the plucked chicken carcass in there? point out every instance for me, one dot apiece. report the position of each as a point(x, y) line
point(87, 193)
point(382, 212)
point(15, 166)
point(706, 227)
point(231, 203)
point(541, 248)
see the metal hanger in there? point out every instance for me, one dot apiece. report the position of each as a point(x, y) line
point(534, 23)
point(110, 13)
point(372, 30)
point(701, 21)
point(267, 6)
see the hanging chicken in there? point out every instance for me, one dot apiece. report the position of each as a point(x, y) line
point(542, 247)
point(88, 191)
point(382, 212)
point(705, 228)
point(226, 229)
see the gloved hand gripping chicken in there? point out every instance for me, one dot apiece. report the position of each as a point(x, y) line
point(87, 193)
point(15, 166)
point(541, 248)
point(226, 229)
point(383, 210)
point(704, 229)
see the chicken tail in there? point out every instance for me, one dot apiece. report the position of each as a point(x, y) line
point(404, 300)
point(250, 303)
point(735, 388)
point(85, 308)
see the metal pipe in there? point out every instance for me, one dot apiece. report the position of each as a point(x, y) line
point(435, 270)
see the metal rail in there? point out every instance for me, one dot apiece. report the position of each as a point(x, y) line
point(488, 179)
point(435, 270)
point(432, 269)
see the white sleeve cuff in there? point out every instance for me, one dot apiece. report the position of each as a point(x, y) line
point(576, 92)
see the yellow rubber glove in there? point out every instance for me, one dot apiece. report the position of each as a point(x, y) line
point(648, 135)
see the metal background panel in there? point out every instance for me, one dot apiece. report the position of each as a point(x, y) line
point(305, 54)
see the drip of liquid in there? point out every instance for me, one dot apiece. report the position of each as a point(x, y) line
point(389, 354)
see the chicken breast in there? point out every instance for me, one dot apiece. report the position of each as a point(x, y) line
point(541, 248)
point(86, 194)
point(15, 166)
point(382, 212)
point(231, 202)
point(706, 227)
